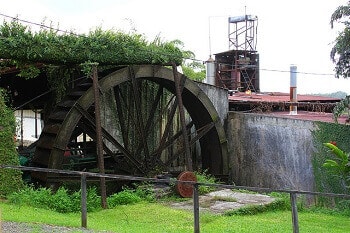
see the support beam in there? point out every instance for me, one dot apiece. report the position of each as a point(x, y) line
point(99, 142)
point(182, 118)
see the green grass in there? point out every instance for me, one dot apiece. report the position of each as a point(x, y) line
point(154, 217)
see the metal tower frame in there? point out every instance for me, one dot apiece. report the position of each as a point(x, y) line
point(238, 68)
point(242, 32)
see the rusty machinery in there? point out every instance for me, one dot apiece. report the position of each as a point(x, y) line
point(238, 68)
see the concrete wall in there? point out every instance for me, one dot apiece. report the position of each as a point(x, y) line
point(218, 97)
point(270, 152)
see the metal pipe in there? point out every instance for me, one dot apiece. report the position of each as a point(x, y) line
point(293, 90)
point(210, 74)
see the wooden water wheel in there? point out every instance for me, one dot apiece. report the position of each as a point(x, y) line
point(140, 126)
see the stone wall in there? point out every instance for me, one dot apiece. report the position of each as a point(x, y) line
point(270, 152)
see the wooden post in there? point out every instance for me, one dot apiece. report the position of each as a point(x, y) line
point(0, 222)
point(36, 123)
point(293, 200)
point(99, 143)
point(182, 119)
point(21, 146)
point(83, 201)
point(196, 208)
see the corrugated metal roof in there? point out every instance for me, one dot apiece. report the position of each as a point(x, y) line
point(278, 97)
point(241, 98)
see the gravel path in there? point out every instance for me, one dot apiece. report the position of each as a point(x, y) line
point(15, 227)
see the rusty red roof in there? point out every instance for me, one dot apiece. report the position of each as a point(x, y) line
point(241, 98)
point(277, 97)
point(311, 116)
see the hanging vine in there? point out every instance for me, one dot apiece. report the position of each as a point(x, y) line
point(62, 54)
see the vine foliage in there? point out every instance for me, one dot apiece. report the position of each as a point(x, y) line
point(20, 43)
point(10, 180)
point(61, 54)
point(325, 181)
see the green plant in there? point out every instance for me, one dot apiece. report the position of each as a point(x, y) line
point(61, 201)
point(145, 191)
point(40, 197)
point(124, 197)
point(341, 107)
point(340, 165)
point(326, 181)
point(206, 178)
point(10, 179)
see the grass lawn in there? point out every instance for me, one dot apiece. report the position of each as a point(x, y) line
point(153, 218)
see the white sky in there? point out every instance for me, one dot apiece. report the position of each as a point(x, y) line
point(289, 32)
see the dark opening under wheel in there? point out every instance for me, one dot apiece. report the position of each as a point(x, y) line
point(140, 127)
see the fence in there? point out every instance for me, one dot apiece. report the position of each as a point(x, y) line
point(84, 175)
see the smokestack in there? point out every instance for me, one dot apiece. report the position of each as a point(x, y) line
point(210, 76)
point(293, 90)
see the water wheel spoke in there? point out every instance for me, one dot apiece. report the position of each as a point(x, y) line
point(124, 104)
point(90, 122)
point(153, 108)
point(172, 140)
point(151, 117)
point(118, 99)
point(200, 133)
point(91, 131)
point(139, 117)
point(167, 127)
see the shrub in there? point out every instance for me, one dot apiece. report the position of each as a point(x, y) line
point(145, 191)
point(33, 197)
point(204, 177)
point(124, 197)
point(61, 201)
point(10, 179)
point(93, 201)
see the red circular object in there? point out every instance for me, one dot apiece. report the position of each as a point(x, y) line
point(185, 189)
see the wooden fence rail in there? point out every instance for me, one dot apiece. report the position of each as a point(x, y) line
point(84, 175)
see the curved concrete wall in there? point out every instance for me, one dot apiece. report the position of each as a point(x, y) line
point(270, 152)
point(218, 97)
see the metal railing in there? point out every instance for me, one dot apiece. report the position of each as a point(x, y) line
point(83, 176)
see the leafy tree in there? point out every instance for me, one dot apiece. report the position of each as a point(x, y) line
point(341, 107)
point(340, 53)
point(191, 67)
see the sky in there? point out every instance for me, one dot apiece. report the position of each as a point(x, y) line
point(289, 32)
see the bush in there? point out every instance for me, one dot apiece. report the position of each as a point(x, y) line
point(10, 179)
point(40, 198)
point(204, 177)
point(124, 197)
point(61, 201)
